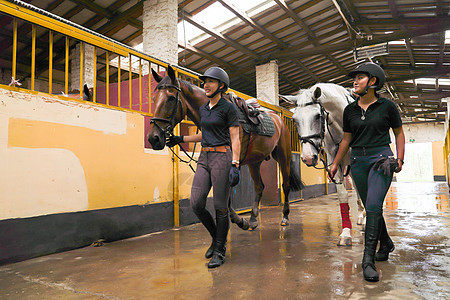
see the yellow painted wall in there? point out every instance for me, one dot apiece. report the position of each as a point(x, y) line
point(64, 156)
point(312, 176)
point(438, 159)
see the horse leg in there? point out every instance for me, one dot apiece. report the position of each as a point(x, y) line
point(345, 238)
point(238, 220)
point(284, 160)
point(362, 215)
point(259, 188)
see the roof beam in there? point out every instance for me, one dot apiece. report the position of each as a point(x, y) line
point(394, 13)
point(246, 18)
point(297, 51)
point(311, 37)
point(430, 73)
point(219, 36)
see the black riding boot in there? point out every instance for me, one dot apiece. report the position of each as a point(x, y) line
point(223, 224)
point(386, 244)
point(208, 221)
point(372, 234)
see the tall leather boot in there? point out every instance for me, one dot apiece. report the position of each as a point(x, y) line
point(207, 220)
point(223, 224)
point(372, 234)
point(386, 244)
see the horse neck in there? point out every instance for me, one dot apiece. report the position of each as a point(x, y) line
point(193, 97)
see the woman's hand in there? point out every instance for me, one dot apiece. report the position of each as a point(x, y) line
point(332, 171)
point(174, 140)
point(234, 175)
point(400, 165)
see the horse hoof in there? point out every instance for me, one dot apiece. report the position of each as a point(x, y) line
point(244, 225)
point(345, 241)
point(284, 222)
point(253, 225)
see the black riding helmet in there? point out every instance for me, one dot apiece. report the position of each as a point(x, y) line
point(218, 74)
point(372, 70)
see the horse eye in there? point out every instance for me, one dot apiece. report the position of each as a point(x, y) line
point(318, 117)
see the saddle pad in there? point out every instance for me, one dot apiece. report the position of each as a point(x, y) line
point(266, 128)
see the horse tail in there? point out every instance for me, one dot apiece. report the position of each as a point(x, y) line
point(295, 181)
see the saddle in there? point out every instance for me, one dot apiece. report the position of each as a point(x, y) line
point(251, 118)
point(249, 109)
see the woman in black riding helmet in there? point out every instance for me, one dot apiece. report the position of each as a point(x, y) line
point(218, 164)
point(366, 130)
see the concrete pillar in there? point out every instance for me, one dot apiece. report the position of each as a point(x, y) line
point(267, 88)
point(160, 32)
point(88, 67)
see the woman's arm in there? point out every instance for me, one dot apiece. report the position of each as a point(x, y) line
point(400, 145)
point(193, 138)
point(235, 143)
point(343, 148)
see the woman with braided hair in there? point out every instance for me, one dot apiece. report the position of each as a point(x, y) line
point(218, 163)
point(367, 122)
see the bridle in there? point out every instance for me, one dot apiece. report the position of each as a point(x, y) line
point(171, 122)
point(324, 120)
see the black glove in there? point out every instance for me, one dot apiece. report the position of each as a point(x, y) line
point(234, 175)
point(387, 164)
point(174, 140)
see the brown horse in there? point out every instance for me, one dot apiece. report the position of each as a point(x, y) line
point(175, 98)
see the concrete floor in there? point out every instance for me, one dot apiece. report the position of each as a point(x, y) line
point(300, 261)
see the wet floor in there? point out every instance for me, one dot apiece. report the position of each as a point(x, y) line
point(300, 261)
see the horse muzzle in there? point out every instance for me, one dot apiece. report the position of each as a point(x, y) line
point(156, 138)
point(310, 160)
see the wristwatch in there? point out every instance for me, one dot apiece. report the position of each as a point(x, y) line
point(401, 160)
point(235, 162)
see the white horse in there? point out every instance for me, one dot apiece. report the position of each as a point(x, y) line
point(318, 116)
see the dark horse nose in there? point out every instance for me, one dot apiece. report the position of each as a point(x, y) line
point(156, 141)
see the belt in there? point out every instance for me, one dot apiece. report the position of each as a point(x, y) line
point(367, 151)
point(222, 148)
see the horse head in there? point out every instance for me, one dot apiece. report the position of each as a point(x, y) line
point(169, 108)
point(309, 117)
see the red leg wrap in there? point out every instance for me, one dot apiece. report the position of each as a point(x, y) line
point(346, 223)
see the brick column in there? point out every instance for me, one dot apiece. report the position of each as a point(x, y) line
point(267, 88)
point(160, 32)
point(88, 67)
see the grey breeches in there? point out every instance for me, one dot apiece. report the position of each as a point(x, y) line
point(213, 169)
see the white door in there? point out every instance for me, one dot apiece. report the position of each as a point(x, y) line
point(418, 163)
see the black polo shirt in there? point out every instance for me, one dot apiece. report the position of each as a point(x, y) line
point(373, 131)
point(216, 122)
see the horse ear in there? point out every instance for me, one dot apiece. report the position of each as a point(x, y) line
point(171, 74)
point(157, 77)
point(289, 98)
point(317, 93)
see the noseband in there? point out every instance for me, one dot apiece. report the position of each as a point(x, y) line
point(321, 134)
point(171, 122)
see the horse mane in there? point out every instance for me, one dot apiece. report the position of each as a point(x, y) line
point(329, 91)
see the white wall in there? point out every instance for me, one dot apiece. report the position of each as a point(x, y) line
point(422, 133)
